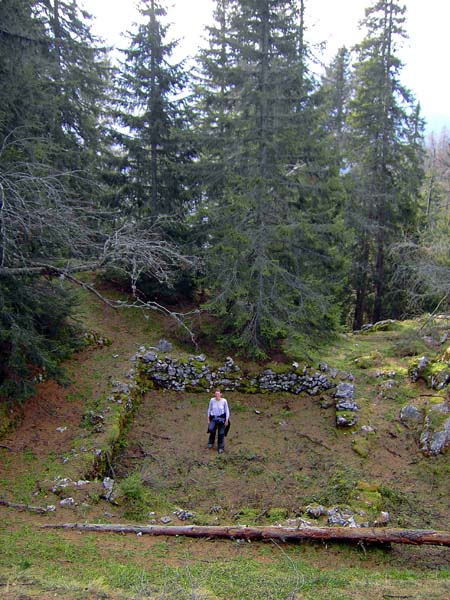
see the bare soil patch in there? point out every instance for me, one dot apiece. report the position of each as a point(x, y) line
point(282, 452)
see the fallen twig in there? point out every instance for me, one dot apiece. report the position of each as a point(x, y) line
point(7, 448)
point(161, 437)
point(110, 465)
point(305, 435)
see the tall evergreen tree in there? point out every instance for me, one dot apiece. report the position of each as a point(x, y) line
point(153, 127)
point(23, 64)
point(50, 97)
point(336, 92)
point(384, 158)
point(263, 154)
point(77, 80)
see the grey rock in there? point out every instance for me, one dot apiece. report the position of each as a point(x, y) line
point(368, 429)
point(268, 372)
point(315, 510)
point(67, 502)
point(341, 518)
point(343, 375)
point(165, 520)
point(411, 416)
point(388, 384)
point(423, 363)
point(82, 482)
point(345, 390)
point(60, 484)
point(184, 515)
point(346, 420)
point(326, 403)
point(382, 519)
point(108, 486)
point(314, 391)
point(440, 380)
point(436, 440)
point(347, 404)
point(164, 346)
point(150, 357)
point(417, 372)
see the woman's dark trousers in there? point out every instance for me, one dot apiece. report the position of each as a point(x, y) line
point(220, 428)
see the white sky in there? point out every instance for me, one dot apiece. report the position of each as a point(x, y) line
point(335, 21)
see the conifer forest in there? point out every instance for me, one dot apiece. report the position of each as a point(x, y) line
point(285, 199)
point(224, 303)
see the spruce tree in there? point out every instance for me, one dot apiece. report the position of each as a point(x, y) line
point(384, 160)
point(262, 151)
point(50, 98)
point(152, 123)
point(336, 93)
point(77, 80)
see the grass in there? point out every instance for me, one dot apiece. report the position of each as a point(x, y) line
point(278, 463)
point(139, 567)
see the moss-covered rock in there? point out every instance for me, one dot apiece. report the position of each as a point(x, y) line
point(346, 418)
point(386, 325)
point(361, 446)
point(435, 437)
point(368, 361)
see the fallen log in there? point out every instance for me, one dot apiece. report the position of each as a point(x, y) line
point(18, 506)
point(376, 535)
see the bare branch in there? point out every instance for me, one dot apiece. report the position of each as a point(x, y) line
point(46, 230)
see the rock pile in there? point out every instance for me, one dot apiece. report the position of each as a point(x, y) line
point(346, 407)
point(435, 436)
point(431, 424)
point(436, 373)
point(196, 375)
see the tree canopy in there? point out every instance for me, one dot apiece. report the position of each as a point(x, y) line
point(299, 196)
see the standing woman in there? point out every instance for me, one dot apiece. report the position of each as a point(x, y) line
point(218, 419)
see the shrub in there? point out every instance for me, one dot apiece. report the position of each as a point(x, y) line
point(35, 333)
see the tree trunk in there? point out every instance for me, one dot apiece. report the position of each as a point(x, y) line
point(362, 266)
point(379, 277)
point(358, 534)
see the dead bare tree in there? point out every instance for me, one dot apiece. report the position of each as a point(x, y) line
point(44, 229)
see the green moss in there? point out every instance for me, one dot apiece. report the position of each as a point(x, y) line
point(9, 419)
point(239, 407)
point(248, 515)
point(348, 415)
point(368, 498)
point(194, 389)
point(368, 361)
point(277, 514)
point(436, 418)
point(246, 388)
point(361, 446)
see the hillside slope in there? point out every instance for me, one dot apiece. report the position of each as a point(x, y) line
point(284, 458)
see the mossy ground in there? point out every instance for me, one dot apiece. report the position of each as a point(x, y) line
point(277, 461)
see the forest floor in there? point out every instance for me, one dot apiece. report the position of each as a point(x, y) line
point(283, 453)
